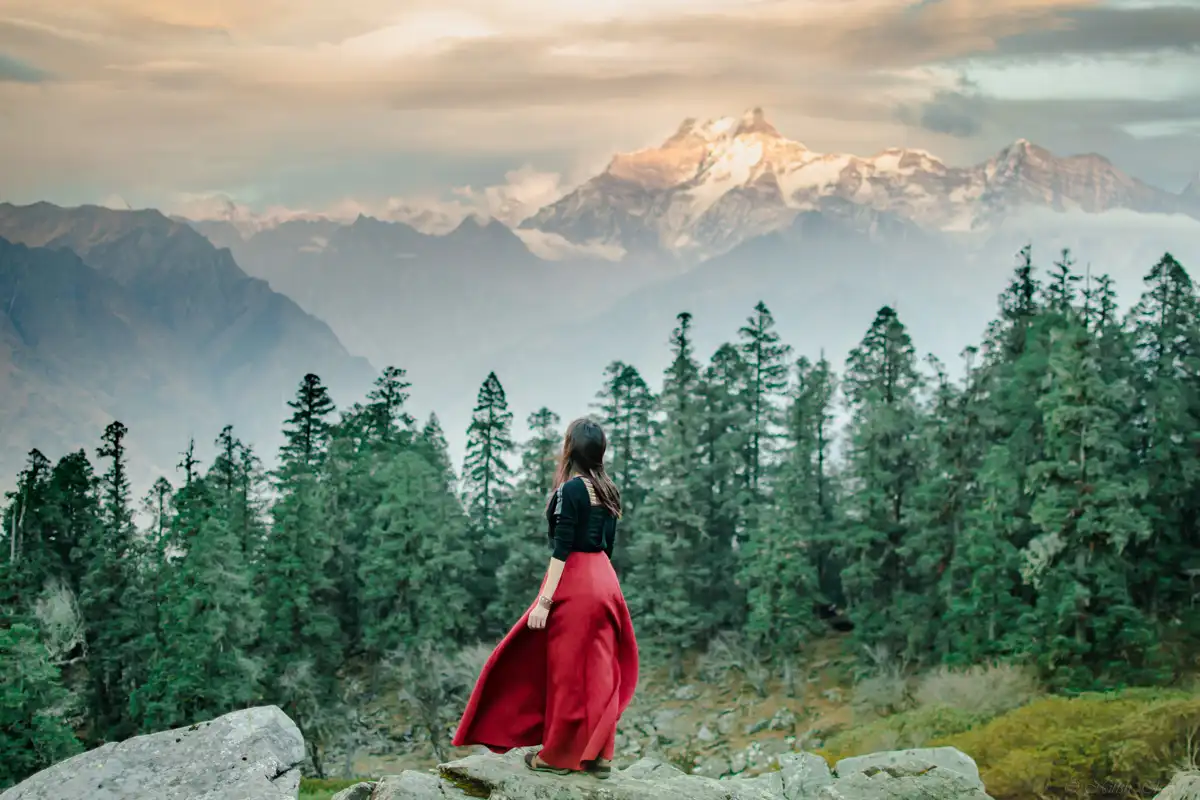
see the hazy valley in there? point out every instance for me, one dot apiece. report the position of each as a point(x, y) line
point(723, 214)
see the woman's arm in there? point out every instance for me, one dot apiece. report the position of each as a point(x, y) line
point(553, 574)
point(567, 512)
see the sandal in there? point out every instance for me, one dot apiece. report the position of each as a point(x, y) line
point(543, 766)
point(601, 771)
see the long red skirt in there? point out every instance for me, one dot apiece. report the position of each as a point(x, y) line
point(566, 685)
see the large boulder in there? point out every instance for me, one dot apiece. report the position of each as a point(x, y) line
point(801, 776)
point(947, 759)
point(253, 754)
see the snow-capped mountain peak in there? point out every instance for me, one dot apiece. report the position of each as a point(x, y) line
point(712, 184)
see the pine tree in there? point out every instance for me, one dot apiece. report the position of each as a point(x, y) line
point(945, 495)
point(363, 448)
point(766, 379)
point(302, 643)
point(1165, 327)
point(884, 462)
point(32, 699)
point(486, 471)
point(235, 480)
point(111, 598)
point(308, 430)
point(626, 407)
point(666, 585)
point(781, 562)
point(724, 475)
point(431, 444)
point(525, 522)
point(413, 572)
point(990, 596)
point(487, 478)
point(210, 617)
point(1088, 511)
point(31, 559)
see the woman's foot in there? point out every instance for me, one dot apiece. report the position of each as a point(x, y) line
point(601, 768)
point(537, 765)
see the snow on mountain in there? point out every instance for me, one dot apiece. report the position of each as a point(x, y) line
point(713, 185)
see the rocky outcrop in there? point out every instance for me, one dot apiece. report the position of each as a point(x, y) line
point(246, 755)
point(938, 774)
point(1184, 786)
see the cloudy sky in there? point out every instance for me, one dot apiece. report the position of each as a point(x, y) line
point(309, 103)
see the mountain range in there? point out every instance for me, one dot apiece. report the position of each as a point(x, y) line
point(223, 314)
point(132, 316)
point(711, 186)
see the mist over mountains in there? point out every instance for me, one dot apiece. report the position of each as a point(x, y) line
point(181, 326)
point(132, 316)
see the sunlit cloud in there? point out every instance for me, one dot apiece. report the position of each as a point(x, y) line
point(154, 97)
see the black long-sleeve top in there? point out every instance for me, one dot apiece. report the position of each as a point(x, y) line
point(578, 525)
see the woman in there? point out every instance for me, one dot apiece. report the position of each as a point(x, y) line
point(567, 670)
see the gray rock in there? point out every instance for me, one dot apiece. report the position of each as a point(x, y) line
point(410, 785)
point(506, 778)
point(784, 720)
point(947, 758)
point(903, 781)
point(1184, 786)
point(687, 692)
point(800, 777)
point(758, 727)
point(725, 723)
point(705, 734)
point(668, 724)
point(253, 754)
point(359, 791)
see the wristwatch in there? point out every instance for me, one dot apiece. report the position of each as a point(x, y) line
point(545, 602)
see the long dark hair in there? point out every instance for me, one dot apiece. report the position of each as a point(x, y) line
point(583, 453)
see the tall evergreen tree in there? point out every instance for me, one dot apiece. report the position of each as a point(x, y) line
point(486, 471)
point(666, 585)
point(110, 599)
point(944, 497)
point(525, 521)
point(626, 407)
point(1088, 511)
point(32, 700)
point(487, 478)
point(723, 476)
point(388, 417)
point(766, 380)
point(881, 386)
point(1165, 327)
point(307, 431)
point(302, 642)
point(782, 560)
point(209, 613)
point(414, 569)
point(431, 444)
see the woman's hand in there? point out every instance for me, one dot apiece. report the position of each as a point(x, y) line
point(537, 617)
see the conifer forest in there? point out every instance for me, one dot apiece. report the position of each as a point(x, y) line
point(1038, 502)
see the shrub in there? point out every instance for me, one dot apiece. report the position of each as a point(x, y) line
point(988, 690)
point(900, 731)
point(731, 652)
point(1067, 747)
point(882, 694)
